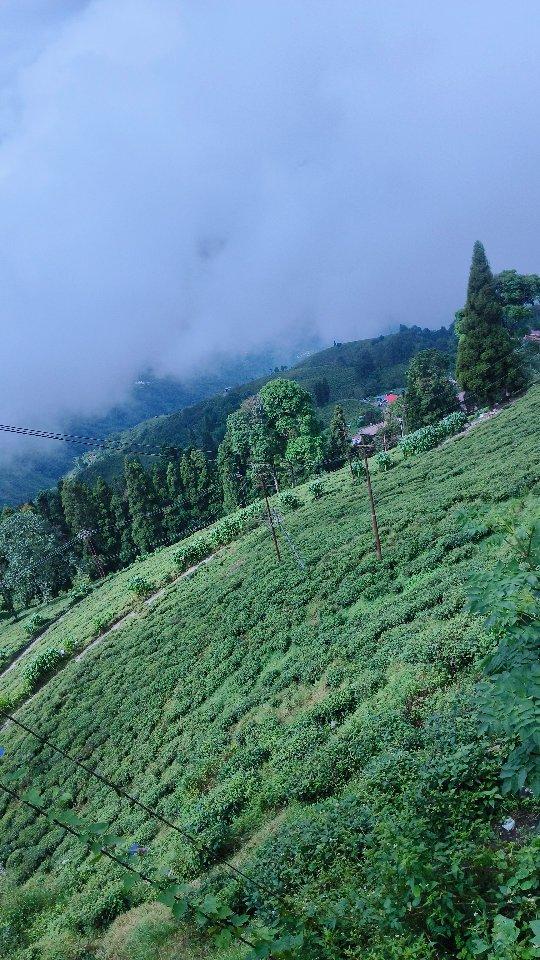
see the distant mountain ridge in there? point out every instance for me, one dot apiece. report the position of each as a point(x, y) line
point(151, 396)
point(352, 371)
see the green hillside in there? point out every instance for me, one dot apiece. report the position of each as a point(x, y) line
point(150, 396)
point(315, 722)
point(352, 371)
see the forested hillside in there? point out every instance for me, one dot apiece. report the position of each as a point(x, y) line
point(345, 372)
point(314, 722)
point(150, 396)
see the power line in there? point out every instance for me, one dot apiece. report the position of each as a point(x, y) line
point(118, 860)
point(104, 443)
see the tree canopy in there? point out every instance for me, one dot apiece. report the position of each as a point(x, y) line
point(430, 393)
point(488, 364)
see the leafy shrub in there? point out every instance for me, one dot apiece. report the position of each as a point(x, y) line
point(192, 553)
point(36, 624)
point(429, 437)
point(384, 461)
point(99, 626)
point(289, 500)
point(316, 488)
point(42, 664)
point(141, 587)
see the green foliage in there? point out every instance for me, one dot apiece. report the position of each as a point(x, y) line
point(29, 552)
point(35, 624)
point(316, 488)
point(321, 392)
point(289, 500)
point(19, 908)
point(319, 725)
point(99, 626)
point(429, 437)
point(41, 666)
point(488, 365)
point(141, 587)
point(430, 394)
point(384, 461)
point(509, 595)
point(146, 528)
point(518, 293)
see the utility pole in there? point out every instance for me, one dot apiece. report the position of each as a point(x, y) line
point(374, 523)
point(270, 517)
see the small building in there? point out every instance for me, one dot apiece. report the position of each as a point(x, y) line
point(383, 399)
point(366, 433)
point(533, 336)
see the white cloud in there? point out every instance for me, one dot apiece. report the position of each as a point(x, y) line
point(180, 178)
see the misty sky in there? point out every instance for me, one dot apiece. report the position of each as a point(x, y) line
point(183, 177)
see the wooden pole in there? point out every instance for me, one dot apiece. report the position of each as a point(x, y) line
point(374, 523)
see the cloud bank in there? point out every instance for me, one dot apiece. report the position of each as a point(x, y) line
point(183, 178)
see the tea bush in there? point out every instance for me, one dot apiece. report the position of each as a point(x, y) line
point(141, 587)
point(36, 624)
point(319, 724)
point(429, 437)
point(316, 488)
point(42, 665)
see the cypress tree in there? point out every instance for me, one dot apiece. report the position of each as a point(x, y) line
point(175, 517)
point(81, 517)
point(144, 507)
point(488, 366)
point(109, 536)
point(122, 522)
point(339, 443)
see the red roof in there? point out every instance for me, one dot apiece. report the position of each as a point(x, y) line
point(391, 397)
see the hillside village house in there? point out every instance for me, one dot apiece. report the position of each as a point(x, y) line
point(366, 433)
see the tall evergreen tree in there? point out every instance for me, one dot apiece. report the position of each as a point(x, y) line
point(144, 507)
point(488, 364)
point(339, 442)
point(122, 521)
point(175, 515)
point(430, 393)
point(80, 512)
point(48, 504)
point(232, 481)
point(109, 537)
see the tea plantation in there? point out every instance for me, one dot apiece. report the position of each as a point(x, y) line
point(315, 723)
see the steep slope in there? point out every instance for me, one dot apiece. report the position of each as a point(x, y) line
point(316, 720)
point(352, 370)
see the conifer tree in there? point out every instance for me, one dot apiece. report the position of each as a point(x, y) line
point(48, 504)
point(119, 509)
point(144, 508)
point(488, 365)
point(109, 538)
point(339, 443)
point(232, 479)
point(80, 512)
